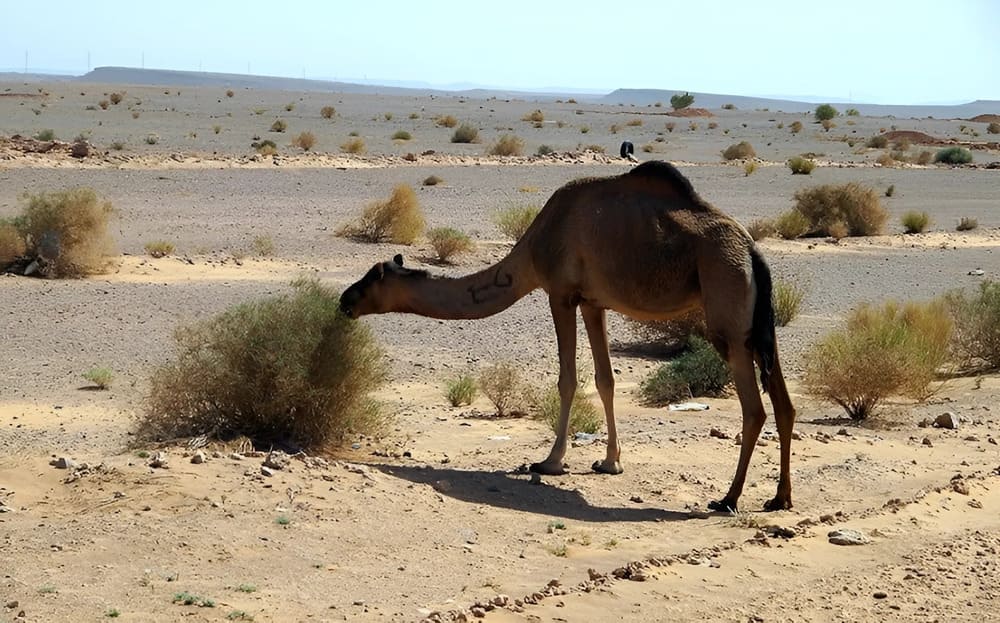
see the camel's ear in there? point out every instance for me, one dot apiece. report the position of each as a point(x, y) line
point(398, 259)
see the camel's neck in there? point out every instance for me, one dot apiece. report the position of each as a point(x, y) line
point(482, 294)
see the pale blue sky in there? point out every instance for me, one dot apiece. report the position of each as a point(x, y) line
point(892, 52)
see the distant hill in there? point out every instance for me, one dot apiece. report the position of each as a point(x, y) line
point(647, 97)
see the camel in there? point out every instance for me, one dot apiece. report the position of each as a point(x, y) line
point(643, 244)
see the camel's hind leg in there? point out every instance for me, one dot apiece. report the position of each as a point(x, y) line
point(597, 330)
point(741, 364)
point(564, 316)
point(784, 417)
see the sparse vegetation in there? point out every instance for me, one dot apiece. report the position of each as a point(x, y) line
point(354, 145)
point(795, 127)
point(877, 142)
point(503, 385)
point(800, 165)
point(100, 376)
point(327, 112)
point(515, 220)
point(891, 190)
point(634, 123)
point(217, 129)
point(465, 133)
point(828, 125)
point(966, 223)
point(402, 135)
point(729, 107)
point(448, 242)
point(304, 141)
point(159, 248)
point(749, 168)
point(507, 145)
point(103, 104)
point(397, 219)
point(286, 369)
point(915, 222)
point(67, 232)
point(883, 351)
point(976, 336)
point(433, 180)
point(825, 112)
point(762, 228)
point(460, 391)
point(953, 155)
point(152, 139)
point(279, 125)
point(852, 112)
point(739, 151)
point(47, 134)
point(118, 145)
point(447, 121)
point(993, 128)
point(544, 150)
point(290, 106)
point(852, 206)
point(699, 371)
point(787, 301)
point(12, 244)
point(112, 613)
point(670, 337)
point(678, 101)
point(262, 245)
point(584, 416)
point(925, 157)
point(229, 93)
point(265, 147)
point(670, 125)
point(791, 225)
point(535, 116)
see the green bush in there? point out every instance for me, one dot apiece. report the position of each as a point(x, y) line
point(679, 101)
point(852, 112)
point(700, 371)
point(584, 416)
point(884, 351)
point(544, 150)
point(101, 377)
point(47, 134)
point(507, 145)
point(397, 219)
point(465, 133)
point(953, 155)
point(287, 370)
point(976, 338)
point(739, 151)
point(402, 135)
point(915, 222)
point(448, 242)
point(825, 112)
point(800, 165)
point(502, 384)
point(67, 232)
point(669, 337)
point(787, 301)
point(515, 220)
point(791, 225)
point(461, 391)
point(852, 207)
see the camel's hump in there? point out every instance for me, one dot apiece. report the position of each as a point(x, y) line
point(667, 172)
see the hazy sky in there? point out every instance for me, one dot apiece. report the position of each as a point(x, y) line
point(893, 52)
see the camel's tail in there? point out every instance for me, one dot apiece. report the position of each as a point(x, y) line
point(762, 332)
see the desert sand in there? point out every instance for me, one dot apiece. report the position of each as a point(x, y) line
point(434, 519)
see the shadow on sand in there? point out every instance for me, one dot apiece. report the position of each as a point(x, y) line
point(516, 492)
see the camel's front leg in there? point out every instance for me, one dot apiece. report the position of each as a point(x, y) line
point(564, 316)
point(597, 330)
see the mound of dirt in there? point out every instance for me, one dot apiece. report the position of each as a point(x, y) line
point(913, 136)
point(690, 112)
point(985, 119)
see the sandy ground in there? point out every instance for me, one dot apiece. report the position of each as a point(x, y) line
point(434, 517)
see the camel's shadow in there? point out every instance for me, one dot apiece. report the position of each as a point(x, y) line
point(505, 490)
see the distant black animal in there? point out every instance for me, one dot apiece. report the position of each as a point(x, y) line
point(627, 150)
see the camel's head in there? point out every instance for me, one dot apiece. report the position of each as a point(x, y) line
point(375, 292)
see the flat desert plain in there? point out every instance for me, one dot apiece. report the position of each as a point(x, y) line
point(433, 520)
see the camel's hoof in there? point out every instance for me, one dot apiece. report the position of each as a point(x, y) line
point(549, 469)
point(778, 504)
point(603, 467)
point(722, 506)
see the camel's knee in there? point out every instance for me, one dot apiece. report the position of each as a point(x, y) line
point(567, 385)
point(605, 383)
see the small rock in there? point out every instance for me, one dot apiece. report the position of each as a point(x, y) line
point(946, 420)
point(159, 460)
point(266, 471)
point(738, 439)
point(500, 601)
point(975, 503)
point(796, 436)
point(924, 423)
point(927, 442)
point(635, 498)
point(198, 457)
point(63, 463)
point(12, 604)
point(846, 536)
point(276, 460)
point(535, 479)
point(478, 612)
point(880, 595)
point(718, 434)
point(80, 149)
point(844, 432)
point(236, 456)
point(959, 486)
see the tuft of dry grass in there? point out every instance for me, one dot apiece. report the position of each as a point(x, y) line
point(448, 242)
point(800, 165)
point(976, 338)
point(739, 151)
point(791, 225)
point(915, 222)
point(514, 221)
point(460, 391)
point(304, 141)
point(354, 145)
point(159, 248)
point(397, 219)
point(503, 385)
point(12, 245)
point(795, 127)
point(507, 145)
point(447, 121)
point(584, 416)
point(749, 168)
point(279, 125)
point(402, 135)
point(535, 116)
point(289, 370)
point(787, 301)
point(465, 133)
point(850, 205)
point(100, 376)
point(262, 245)
point(762, 228)
point(67, 232)
point(327, 112)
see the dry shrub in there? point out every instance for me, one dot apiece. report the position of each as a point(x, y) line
point(791, 225)
point(670, 125)
point(885, 159)
point(787, 301)
point(884, 351)
point(229, 93)
point(67, 231)
point(159, 248)
point(967, 223)
point(397, 219)
point(327, 112)
point(279, 125)
point(353, 145)
point(739, 151)
point(503, 385)
point(447, 121)
point(762, 228)
point(915, 222)
point(828, 125)
point(103, 104)
point(401, 135)
point(465, 133)
point(877, 142)
point(12, 245)
point(262, 245)
point(304, 141)
point(515, 220)
point(507, 145)
point(115, 98)
point(634, 123)
point(535, 116)
point(448, 242)
point(699, 371)
point(993, 128)
point(461, 391)
point(976, 337)
point(795, 127)
point(925, 157)
point(668, 337)
point(100, 376)
point(433, 180)
point(801, 166)
point(289, 370)
point(851, 205)
point(749, 168)
point(584, 416)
